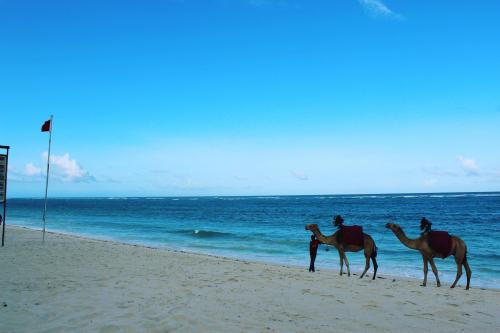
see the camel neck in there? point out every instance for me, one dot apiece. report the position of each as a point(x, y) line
point(411, 243)
point(319, 236)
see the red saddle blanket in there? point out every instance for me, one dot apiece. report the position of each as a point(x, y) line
point(440, 242)
point(351, 235)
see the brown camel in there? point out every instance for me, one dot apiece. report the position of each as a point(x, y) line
point(458, 250)
point(368, 246)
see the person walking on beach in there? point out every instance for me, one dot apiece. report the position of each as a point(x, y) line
point(313, 250)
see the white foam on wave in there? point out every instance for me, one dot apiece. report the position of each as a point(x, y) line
point(486, 195)
point(114, 198)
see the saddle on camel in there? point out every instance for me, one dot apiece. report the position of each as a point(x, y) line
point(439, 241)
point(349, 235)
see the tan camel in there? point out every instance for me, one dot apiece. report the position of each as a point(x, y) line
point(368, 246)
point(458, 250)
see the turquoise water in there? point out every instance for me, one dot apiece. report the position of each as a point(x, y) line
point(272, 228)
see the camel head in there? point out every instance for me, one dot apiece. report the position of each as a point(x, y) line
point(393, 226)
point(312, 227)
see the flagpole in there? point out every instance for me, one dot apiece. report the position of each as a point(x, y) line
point(47, 180)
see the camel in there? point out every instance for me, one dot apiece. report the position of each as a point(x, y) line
point(458, 250)
point(368, 245)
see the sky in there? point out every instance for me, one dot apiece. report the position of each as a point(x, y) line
point(250, 97)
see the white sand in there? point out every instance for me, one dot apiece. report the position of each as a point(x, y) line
point(72, 284)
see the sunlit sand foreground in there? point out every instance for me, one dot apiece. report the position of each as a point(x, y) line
point(73, 284)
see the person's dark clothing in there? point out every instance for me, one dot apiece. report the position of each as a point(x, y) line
point(425, 226)
point(338, 221)
point(313, 250)
point(340, 234)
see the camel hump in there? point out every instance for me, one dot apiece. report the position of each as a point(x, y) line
point(351, 235)
point(440, 242)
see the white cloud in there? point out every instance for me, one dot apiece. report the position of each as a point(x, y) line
point(469, 166)
point(17, 175)
point(32, 170)
point(62, 168)
point(299, 175)
point(67, 169)
point(30, 173)
point(377, 8)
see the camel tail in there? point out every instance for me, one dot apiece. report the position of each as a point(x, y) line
point(375, 251)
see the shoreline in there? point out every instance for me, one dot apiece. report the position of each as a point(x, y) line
point(263, 262)
point(72, 283)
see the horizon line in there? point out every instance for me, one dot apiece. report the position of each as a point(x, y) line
point(253, 195)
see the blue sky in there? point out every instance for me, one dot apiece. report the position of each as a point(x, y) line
point(251, 97)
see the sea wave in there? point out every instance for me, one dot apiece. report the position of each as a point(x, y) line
point(486, 195)
point(204, 233)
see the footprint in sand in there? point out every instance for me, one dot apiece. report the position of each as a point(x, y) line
point(486, 314)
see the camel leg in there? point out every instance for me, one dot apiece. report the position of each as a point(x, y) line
point(435, 271)
point(426, 268)
point(459, 271)
point(341, 255)
point(347, 265)
point(468, 272)
point(375, 267)
point(367, 266)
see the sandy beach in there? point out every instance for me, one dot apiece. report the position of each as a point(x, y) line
point(74, 284)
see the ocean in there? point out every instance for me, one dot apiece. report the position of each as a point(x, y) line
point(271, 228)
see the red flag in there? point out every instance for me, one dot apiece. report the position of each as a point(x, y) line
point(46, 126)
